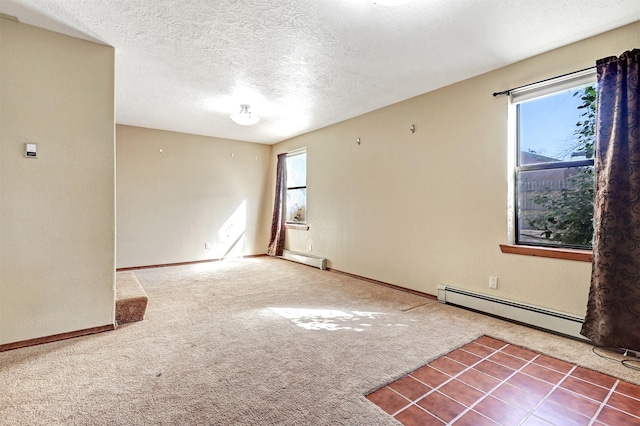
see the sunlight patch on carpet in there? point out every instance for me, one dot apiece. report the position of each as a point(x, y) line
point(330, 319)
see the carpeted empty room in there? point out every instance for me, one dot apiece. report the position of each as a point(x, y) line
point(320, 212)
point(255, 341)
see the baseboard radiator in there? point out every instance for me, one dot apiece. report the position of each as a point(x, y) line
point(318, 262)
point(558, 322)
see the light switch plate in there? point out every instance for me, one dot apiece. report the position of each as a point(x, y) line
point(31, 150)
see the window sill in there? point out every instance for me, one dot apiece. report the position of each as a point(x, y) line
point(298, 226)
point(554, 253)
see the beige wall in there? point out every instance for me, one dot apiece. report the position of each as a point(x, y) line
point(429, 208)
point(57, 216)
point(198, 190)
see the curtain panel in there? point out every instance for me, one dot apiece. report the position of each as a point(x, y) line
point(278, 221)
point(613, 309)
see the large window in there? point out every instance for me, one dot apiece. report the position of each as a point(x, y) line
point(554, 181)
point(297, 187)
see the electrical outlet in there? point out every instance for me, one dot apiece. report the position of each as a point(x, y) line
point(310, 247)
point(207, 246)
point(493, 282)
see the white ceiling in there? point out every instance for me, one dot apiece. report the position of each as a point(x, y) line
point(185, 65)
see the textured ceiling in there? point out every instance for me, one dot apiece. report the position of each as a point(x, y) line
point(304, 64)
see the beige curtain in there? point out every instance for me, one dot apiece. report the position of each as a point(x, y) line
point(276, 243)
point(613, 310)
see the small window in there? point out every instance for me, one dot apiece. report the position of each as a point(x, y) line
point(297, 188)
point(554, 177)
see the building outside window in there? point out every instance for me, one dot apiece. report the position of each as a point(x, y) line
point(554, 178)
point(297, 187)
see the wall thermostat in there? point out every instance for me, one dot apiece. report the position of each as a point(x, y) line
point(31, 150)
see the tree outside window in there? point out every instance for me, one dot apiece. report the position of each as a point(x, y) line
point(554, 173)
point(297, 188)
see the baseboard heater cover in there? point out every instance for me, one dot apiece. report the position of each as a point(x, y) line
point(315, 261)
point(558, 322)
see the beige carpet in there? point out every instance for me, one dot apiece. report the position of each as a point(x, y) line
point(131, 299)
point(252, 341)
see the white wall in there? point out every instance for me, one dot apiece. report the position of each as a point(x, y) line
point(57, 216)
point(429, 208)
point(198, 190)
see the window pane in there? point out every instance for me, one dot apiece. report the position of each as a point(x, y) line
point(553, 128)
point(297, 205)
point(555, 207)
point(297, 170)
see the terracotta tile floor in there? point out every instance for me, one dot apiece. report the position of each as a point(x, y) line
point(489, 382)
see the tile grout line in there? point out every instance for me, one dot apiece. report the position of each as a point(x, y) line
point(604, 402)
point(557, 385)
point(607, 388)
point(410, 402)
point(601, 404)
point(449, 380)
point(485, 395)
point(502, 381)
point(545, 398)
point(611, 391)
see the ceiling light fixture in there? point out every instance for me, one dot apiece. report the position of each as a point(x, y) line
point(244, 117)
point(389, 2)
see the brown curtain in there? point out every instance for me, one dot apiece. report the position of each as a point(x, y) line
point(276, 243)
point(613, 310)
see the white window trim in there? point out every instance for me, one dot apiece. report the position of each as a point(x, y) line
point(517, 96)
point(299, 225)
point(549, 87)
